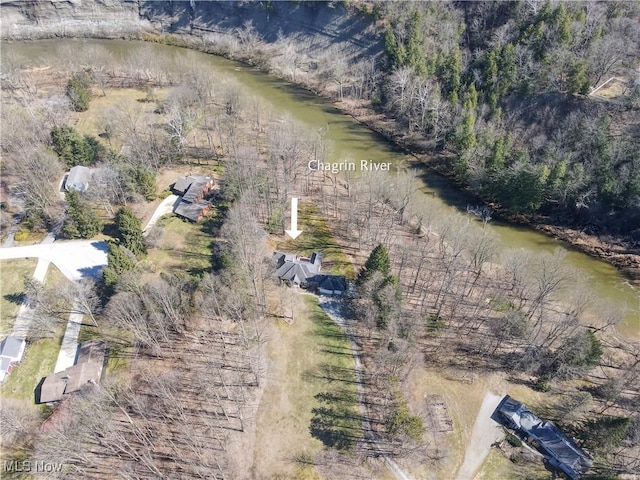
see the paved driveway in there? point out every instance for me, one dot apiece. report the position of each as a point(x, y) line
point(74, 258)
point(166, 206)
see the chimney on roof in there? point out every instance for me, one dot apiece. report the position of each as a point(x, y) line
point(316, 259)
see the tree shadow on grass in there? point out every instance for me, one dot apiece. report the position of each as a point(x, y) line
point(337, 423)
point(16, 298)
point(330, 374)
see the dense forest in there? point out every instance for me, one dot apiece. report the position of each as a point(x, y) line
point(503, 87)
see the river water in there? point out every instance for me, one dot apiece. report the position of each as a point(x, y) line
point(349, 140)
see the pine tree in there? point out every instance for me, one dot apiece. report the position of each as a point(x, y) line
point(81, 220)
point(130, 231)
point(378, 261)
point(73, 148)
point(79, 92)
point(119, 261)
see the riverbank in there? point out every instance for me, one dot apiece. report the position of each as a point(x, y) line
point(620, 252)
point(337, 27)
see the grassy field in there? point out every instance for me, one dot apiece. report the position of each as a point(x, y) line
point(463, 398)
point(316, 236)
point(120, 106)
point(310, 398)
point(12, 276)
point(185, 247)
point(40, 356)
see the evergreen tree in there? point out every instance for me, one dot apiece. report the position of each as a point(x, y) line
point(79, 92)
point(119, 260)
point(130, 231)
point(606, 433)
point(145, 181)
point(378, 261)
point(578, 78)
point(73, 148)
point(81, 220)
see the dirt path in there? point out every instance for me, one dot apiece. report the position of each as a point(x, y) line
point(484, 434)
point(332, 309)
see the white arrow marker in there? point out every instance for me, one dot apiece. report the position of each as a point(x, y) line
point(294, 232)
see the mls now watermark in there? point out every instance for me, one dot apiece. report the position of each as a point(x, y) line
point(31, 466)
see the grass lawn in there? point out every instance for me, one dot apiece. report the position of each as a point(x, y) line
point(27, 237)
point(117, 105)
point(40, 355)
point(316, 236)
point(185, 247)
point(12, 275)
point(497, 465)
point(310, 397)
point(118, 343)
point(39, 361)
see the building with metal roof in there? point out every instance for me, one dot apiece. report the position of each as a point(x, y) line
point(561, 452)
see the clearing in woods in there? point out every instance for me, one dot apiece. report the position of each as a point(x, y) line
point(310, 396)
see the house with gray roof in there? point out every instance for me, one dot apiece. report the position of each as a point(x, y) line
point(78, 179)
point(297, 270)
point(560, 451)
point(11, 352)
point(305, 272)
point(86, 371)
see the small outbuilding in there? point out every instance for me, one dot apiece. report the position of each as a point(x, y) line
point(330, 284)
point(11, 352)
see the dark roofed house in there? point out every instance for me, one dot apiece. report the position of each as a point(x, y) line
point(11, 352)
point(182, 185)
point(87, 370)
point(199, 188)
point(305, 272)
point(295, 270)
point(193, 189)
point(559, 450)
point(192, 211)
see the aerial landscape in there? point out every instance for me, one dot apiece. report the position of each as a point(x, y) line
point(319, 240)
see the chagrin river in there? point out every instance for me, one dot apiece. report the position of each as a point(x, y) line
point(348, 140)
